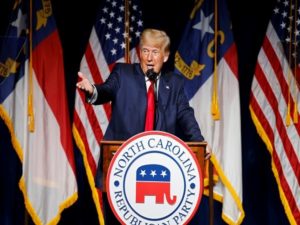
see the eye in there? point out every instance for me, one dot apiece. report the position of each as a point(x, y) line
point(155, 52)
point(145, 51)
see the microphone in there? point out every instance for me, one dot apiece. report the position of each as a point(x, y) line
point(152, 76)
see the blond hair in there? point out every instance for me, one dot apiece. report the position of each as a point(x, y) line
point(157, 38)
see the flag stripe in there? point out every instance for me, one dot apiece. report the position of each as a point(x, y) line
point(277, 100)
point(283, 147)
point(273, 87)
point(288, 147)
point(286, 185)
point(49, 89)
point(274, 91)
point(276, 65)
point(231, 59)
point(100, 112)
point(97, 77)
point(289, 194)
point(92, 119)
point(87, 131)
point(97, 51)
point(84, 138)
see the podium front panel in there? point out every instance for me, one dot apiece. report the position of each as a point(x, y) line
point(108, 149)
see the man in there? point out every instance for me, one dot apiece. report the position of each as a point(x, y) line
point(126, 88)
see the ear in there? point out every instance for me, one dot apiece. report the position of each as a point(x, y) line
point(166, 57)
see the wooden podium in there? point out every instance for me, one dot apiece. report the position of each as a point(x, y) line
point(108, 149)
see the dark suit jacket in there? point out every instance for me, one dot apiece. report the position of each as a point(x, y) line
point(126, 89)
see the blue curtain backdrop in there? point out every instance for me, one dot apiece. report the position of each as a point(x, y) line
point(74, 21)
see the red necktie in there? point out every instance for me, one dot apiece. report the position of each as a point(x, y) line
point(150, 114)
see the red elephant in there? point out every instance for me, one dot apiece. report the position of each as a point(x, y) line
point(153, 180)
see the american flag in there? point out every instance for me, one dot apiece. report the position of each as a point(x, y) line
point(117, 29)
point(33, 105)
point(275, 101)
point(207, 58)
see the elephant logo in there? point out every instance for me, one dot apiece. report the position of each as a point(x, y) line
point(153, 180)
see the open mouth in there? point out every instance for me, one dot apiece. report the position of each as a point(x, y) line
point(150, 67)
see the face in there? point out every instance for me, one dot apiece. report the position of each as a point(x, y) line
point(152, 58)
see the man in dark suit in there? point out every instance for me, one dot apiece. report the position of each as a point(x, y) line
point(126, 88)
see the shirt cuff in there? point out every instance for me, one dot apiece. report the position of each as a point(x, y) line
point(92, 98)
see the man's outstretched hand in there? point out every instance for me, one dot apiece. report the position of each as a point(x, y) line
point(85, 84)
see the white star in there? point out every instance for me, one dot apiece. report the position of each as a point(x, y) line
point(163, 173)
point(137, 34)
point(140, 23)
point(105, 10)
point(115, 40)
point(107, 36)
point(203, 25)
point(114, 4)
point(119, 19)
point(102, 20)
point(143, 173)
point(284, 14)
point(20, 22)
point(153, 173)
point(113, 51)
point(109, 25)
point(112, 15)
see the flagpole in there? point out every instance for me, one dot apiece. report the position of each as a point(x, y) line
point(127, 25)
point(294, 91)
point(30, 112)
point(215, 109)
point(30, 94)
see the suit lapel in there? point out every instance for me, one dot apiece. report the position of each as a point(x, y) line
point(141, 82)
point(141, 90)
point(164, 90)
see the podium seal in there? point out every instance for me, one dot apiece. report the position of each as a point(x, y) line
point(154, 178)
